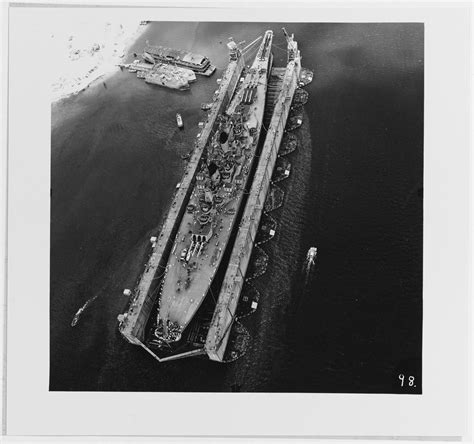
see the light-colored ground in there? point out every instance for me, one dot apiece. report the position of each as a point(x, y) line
point(84, 51)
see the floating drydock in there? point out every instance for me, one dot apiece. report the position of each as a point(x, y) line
point(143, 299)
point(234, 279)
point(205, 329)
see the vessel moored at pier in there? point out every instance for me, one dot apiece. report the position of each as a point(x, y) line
point(196, 62)
point(170, 76)
point(163, 74)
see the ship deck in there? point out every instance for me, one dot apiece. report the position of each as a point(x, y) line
point(185, 285)
point(196, 62)
point(178, 302)
point(283, 82)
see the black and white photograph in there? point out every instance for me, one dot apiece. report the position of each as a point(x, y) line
point(243, 221)
point(238, 207)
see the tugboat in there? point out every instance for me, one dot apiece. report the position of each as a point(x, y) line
point(77, 316)
point(131, 67)
point(312, 252)
point(179, 120)
point(148, 58)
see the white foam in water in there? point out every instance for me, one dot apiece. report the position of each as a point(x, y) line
point(81, 310)
point(309, 263)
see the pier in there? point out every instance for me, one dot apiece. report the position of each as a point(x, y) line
point(143, 299)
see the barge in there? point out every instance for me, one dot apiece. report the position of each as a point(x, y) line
point(196, 62)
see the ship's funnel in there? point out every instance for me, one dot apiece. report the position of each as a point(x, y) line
point(223, 137)
point(224, 141)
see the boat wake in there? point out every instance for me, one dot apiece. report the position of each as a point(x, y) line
point(79, 312)
point(309, 264)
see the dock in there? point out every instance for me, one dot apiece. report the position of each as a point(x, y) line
point(132, 327)
point(281, 92)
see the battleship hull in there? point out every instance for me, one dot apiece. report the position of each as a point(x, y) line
point(215, 203)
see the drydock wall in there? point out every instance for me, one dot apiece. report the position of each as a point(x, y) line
point(144, 297)
point(234, 278)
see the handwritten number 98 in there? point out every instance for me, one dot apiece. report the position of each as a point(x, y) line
point(411, 380)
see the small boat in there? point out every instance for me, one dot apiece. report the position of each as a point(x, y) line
point(312, 252)
point(185, 156)
point(81, 310)
point(148, 58)
point(77, 316)
point(179, 120)
point(206, 106)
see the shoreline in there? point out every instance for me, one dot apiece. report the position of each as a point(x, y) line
point(95, 59)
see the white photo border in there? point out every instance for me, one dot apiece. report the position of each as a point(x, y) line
point(443, 408)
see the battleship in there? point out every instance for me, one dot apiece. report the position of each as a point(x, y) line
point(185, 301)
point(217, 195)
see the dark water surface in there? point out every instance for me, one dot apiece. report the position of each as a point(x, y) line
point(350, 323)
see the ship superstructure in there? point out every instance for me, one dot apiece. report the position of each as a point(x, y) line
point(214, 203)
